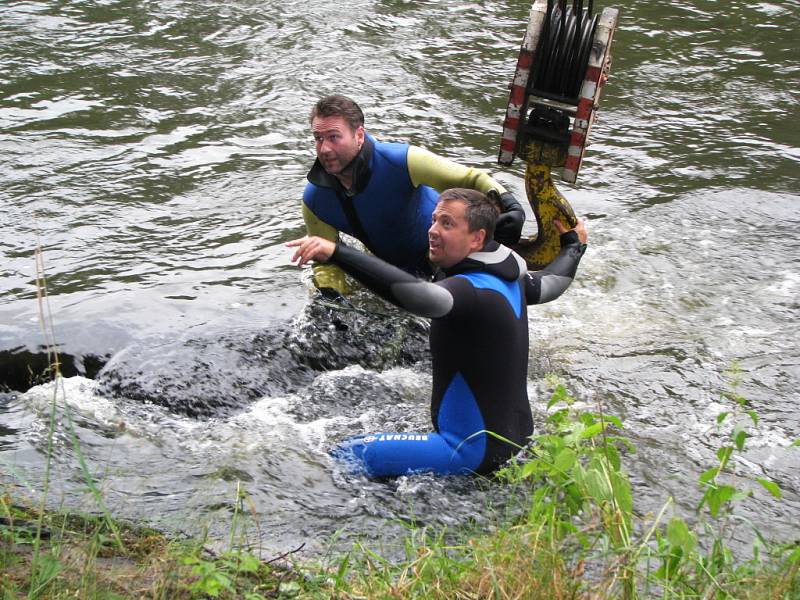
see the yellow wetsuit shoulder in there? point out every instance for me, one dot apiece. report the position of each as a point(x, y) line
point(427, 168)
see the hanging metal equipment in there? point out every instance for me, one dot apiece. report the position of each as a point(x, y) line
point(563, 63)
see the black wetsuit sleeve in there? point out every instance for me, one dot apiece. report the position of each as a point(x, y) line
point(394, 285)
point(549, 283)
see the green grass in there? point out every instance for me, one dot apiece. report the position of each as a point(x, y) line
point(58, 555)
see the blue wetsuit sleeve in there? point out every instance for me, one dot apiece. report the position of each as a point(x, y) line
point(549, 283)
point(417, 296)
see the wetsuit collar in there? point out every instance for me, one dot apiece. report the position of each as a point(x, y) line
point(360, 166)
point(495, 258)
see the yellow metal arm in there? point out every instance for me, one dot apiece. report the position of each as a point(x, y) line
point(547, 204)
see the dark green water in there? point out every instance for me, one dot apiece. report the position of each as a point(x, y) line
point(158, 151)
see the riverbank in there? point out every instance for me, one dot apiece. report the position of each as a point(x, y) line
point(63, 555)
point(577, 536)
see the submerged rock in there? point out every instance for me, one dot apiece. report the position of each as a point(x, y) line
point(212, 377)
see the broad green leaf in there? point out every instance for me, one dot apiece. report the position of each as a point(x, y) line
point(574, 498)
point(597, 486)
point(739, 439)
point(723, 454)
point(770, 486)
point(559, 395)
point(213, 583)
point(558, 417)
point(622, 493)
point(528, 470)
point(565, 459)
point(593, 430)
point(248, 563)
point(586, 419)
point(722, 416)
point(714, 502)
point(709, 475)
point(679, 535)
point(753, 415)
point(615, 421)
point(717, 497)
point(613, 457)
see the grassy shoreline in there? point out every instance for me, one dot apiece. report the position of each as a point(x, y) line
point(79, 556)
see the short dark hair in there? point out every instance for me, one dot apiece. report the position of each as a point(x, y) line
point(481, 211)
point(338, 106)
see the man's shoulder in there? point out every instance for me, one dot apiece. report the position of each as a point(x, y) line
point(313, 192)
point(395, 153)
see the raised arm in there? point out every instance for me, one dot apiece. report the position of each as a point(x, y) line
point(549, 283)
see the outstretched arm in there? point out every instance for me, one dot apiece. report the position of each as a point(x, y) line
point(417, 296)
point(549, 283)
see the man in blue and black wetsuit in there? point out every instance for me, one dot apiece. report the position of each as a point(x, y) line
point(478, 337)
point(382, 193)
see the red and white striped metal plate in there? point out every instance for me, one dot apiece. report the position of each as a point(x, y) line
point(589, 99)
point(517, 100)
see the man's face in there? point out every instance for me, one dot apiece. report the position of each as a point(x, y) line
point(337, 144)
point(449, 239)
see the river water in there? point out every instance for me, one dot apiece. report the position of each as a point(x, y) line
point(157, 153)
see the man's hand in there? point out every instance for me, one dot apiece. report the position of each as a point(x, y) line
point(580, 228)
point(312, 248)
point(508, 227)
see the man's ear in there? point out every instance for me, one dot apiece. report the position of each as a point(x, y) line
point(478, 240)
point(360, 135)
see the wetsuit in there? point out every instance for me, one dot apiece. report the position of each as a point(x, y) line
point(389, 206)
point(479, 347)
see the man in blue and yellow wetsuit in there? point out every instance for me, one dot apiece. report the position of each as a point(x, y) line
point(478, 337)
point(382, 193)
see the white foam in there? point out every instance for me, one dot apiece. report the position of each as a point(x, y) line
point(78, 394)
